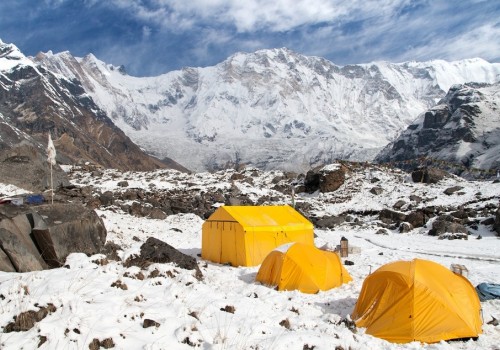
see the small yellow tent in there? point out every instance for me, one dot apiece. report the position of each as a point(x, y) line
point(418, 300)
point(244, 235)
point(303, 267)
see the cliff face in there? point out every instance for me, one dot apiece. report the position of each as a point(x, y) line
point(463, 129)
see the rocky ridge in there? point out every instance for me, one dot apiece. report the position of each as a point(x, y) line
point(461, 132)
point(35, 101)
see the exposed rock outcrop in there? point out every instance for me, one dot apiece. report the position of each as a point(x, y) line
point(37, 237)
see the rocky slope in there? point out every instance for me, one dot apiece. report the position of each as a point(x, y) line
point(271, 109)
point(462, 131)
point(35, 101)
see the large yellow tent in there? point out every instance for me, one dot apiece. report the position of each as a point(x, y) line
point(418, 300)
point(244, 235)
point(303, 267)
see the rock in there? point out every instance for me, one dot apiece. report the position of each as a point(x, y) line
point(16, 242)
point(107, 198)
point(388, 216)
point(149, 323)
point(122, 184)
point(157, 214)
point(156, 251)
point(405, 227)
point(325, 179)
point(329, 221)
point(376, 190)
point(496, 225)
point(348, 262)
point(382, 231)
point(446, 224)
point(449, 191)
point(416, 218)
point(26, 320)
point(415, 198)
point(5, 263)
point(399, 204)
point(68, 228)
point(488, 221)
point(428, 175)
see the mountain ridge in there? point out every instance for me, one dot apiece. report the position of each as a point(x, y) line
point(272, 108)
point(35, 101)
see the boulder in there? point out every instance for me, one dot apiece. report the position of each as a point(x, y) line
point(329, 221)
point(68, 228)
point(405, 227)
point(5, 263)
point(376, 190)
point(156, 251)
point(428, 175)
point(17, 244)
point(325, 178)
point(399, 204)
point(450, 190)
point(416, 218)
point(447, 224)
point(388, 216)
point(496, 225)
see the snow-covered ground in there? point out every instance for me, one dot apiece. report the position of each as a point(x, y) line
point(194, 313)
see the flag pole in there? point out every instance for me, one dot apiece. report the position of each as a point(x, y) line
point(51, 186)
point(51, 158)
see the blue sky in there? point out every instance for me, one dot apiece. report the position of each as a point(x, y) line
point(150, 37)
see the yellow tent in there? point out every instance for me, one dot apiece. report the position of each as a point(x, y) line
point(418, 300)
point(244, 235)
point(303, 267)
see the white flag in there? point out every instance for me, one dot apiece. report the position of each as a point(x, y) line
point(51, 152)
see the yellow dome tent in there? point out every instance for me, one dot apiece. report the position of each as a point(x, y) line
point(303, 267)
point(418, 300)
point(244, 235)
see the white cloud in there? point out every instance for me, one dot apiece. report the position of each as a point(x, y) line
point(478, 42)
point(255, 15)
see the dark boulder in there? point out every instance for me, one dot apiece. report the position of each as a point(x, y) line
point(496, 225)
point(428, 175)
point(405, 227)
point(447, 224)
point(156, 251)
point(416, 218)
point(450, 190)
point(325, 179)
point(376, 190)
point(388, 216)
point(329, 221)
point(68, 228)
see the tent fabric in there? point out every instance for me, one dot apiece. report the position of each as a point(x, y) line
point(244, 235)
point(488, 291)
point(418, 300)
point(298, 266)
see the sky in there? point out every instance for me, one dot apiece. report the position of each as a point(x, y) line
point(152, 37)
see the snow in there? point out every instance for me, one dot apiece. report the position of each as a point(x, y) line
point(306, 109)
point(195, 312)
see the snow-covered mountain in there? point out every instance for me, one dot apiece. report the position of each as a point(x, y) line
point(35, 101)
point(463, 129)
point(272, 108)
